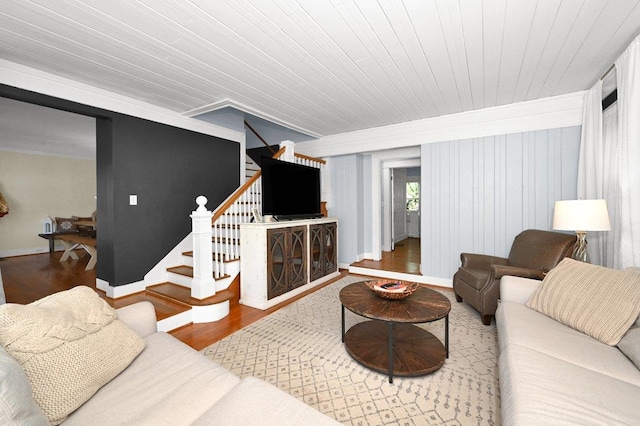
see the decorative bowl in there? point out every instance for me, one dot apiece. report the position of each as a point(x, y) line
point(395, 290)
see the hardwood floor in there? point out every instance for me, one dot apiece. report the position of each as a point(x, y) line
point(29, 278)
point(405, 258)
point(32, 277)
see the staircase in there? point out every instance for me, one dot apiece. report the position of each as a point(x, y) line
point(251, 168)
point(200, 276)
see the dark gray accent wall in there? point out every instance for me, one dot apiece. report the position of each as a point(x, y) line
point(166, 167)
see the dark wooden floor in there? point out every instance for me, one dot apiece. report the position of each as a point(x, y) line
point(29, 278)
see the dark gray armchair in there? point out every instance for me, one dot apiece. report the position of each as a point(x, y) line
point(532, 254)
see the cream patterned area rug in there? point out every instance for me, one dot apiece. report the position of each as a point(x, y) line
point(298, 349)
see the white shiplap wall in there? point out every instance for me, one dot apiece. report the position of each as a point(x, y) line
point(479, 193)
point(347, 204)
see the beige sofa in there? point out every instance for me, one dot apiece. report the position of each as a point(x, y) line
point(168, 383)
point(554, 374)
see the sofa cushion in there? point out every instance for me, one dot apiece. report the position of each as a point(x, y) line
point(17, 406)
point(256, 402)
point(69, 344)
point(519, 325)
point(630, 344)
point(598, 301)
point(538, 389)
point(168, 384)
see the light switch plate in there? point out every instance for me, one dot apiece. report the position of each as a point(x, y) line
point(133, 200)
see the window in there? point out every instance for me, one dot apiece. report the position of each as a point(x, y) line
point(413, 196)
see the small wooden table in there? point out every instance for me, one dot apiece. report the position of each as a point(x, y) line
point(411, 350)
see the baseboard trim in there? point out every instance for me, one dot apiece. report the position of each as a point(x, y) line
point(25, 251)
point(422, 279)
point(115, 292)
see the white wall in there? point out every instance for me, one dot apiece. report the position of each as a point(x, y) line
point(478, 194)
point(37, 186)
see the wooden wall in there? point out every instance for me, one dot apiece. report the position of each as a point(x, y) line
point(478, 194)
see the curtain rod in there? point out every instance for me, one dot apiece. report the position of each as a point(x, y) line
point(608, 71)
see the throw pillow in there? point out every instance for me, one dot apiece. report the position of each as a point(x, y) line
point(630, 344)
point(65, 224)
point(597, 301)
point(69, 344)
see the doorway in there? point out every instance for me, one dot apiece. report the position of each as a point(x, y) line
point(401, 215)
point(404, 259)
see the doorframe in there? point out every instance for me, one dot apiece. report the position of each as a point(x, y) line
point(381, 204)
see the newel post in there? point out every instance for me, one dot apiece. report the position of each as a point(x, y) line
point(202, 285)
point(289, 151)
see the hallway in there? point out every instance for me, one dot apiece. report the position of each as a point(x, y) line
point(405, 258)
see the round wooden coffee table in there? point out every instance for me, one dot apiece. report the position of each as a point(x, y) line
point(411, 350)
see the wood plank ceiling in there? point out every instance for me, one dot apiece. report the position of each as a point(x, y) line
point(323, 67)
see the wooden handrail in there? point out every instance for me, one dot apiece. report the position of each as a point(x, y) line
point(306, 157)
point(259, 137)
point(234, 197)
point(280, 152)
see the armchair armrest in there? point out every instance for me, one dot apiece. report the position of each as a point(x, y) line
point(517, 289)
point(480, 261)
point(141, 317)
point(501, 270)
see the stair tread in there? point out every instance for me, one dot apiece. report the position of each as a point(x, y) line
point(190, 254)
point(188, 271)
point(164, 307)
point(182, 294)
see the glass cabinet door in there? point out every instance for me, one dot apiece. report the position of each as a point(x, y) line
point(330, 252)
point(316, 243)
point(297, 262)
point(276, 271)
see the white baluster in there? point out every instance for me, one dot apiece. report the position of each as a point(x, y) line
point(227, 233)
point(233, 225)
point(214, 253)
point(219, 250)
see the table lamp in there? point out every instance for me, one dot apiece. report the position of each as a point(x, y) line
point(581, 216)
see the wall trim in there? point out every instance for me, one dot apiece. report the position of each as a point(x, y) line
point(121, 290)
point(27, 78)
point(539, 114)
point(230, 103)
point(378, 160)
point(422, 279)
point(26, 251)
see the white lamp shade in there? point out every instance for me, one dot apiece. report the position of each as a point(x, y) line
point(581, 215)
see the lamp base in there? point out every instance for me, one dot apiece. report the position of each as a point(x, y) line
point(580, 249)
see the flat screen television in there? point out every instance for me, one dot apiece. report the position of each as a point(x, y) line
point(290, 191)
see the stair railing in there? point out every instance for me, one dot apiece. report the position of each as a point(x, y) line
point(236, 209)
point(239, 208)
